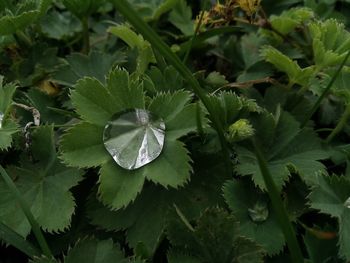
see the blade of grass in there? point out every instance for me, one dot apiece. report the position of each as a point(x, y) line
point(12, 238)
point(325, 92)
point(277, 204)
point(25, 208)
point(149, 34)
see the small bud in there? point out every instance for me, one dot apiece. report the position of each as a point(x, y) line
point(240, 130)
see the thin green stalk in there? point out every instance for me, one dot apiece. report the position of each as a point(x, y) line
point(325, 92)
point(277, 204)
point(149, 34)
point(23, 38)
point(12, 238)
point(342, 122)
point(25, 208)
point(193, 38)
point(86, 35)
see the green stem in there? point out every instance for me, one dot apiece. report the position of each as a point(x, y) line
point(149, 34)
point(23, 38)
point(14, 239)
point(325, 92)
point(26, 210)
point(339, 127)
point(193, 38)
point(86, 35)
point(279, 208)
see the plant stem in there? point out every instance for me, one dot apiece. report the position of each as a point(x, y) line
point(330, 84)
point(339, 127)
point(149, 34)
point(23, 38)
point(26, 210)
point(86, 35)
point(14, 239)
point(278, 207)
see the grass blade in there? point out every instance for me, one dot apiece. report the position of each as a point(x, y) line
point(149, 34)
point(25, 208)
point(279, 208)
point(12, 238)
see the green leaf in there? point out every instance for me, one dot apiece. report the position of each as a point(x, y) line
point(126, 92)
point(145, 52)
point(330, 43)
point(179, 116)
point(166, 80)
point(181, 17)
point(286, 147)
point(82, 146)
point(118, 186)
point(144, 219)
point(330, 195)
point(243, 199)
point(93, 101)
point(26, 15)
point(290, 19)
point(288, 66)
point(177, 257)
point(60, 25)
point(214, 239)
point(82, 8)
point(96, 64)
point(172, 167)
point(43, 260)
point(152, 9)
point(91, 250)
point(6, 131)
point(45, 186)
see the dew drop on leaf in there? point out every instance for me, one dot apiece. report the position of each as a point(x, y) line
point(260, 212)
point(347, 203)
point(134, 138)
point(1, 118)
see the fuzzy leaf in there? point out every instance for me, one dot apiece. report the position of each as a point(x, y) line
point(240, 197)
point(82, 146)
point(126, 93)
point(118, 186)
point(44, 185)
point(331, 41)
point(331, 195)
point(179, 116)
point(93, 101)
point(152, 9)
point(288, 66)
point(91, 250)
point(286, 148)
point(290, 19)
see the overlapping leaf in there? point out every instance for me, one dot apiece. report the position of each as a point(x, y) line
point(286, 147)
point(44, 185)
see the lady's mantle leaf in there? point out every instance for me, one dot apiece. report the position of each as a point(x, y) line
point(118, 186)
point(96, 103)
point(286, 148)
point(44, 185)
point(82, 146)
point(241, 198)
point(331, 195)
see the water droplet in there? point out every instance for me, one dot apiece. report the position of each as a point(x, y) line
point(260, 212)
point(1, 118)
point(134, 138)
point(347, 203)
